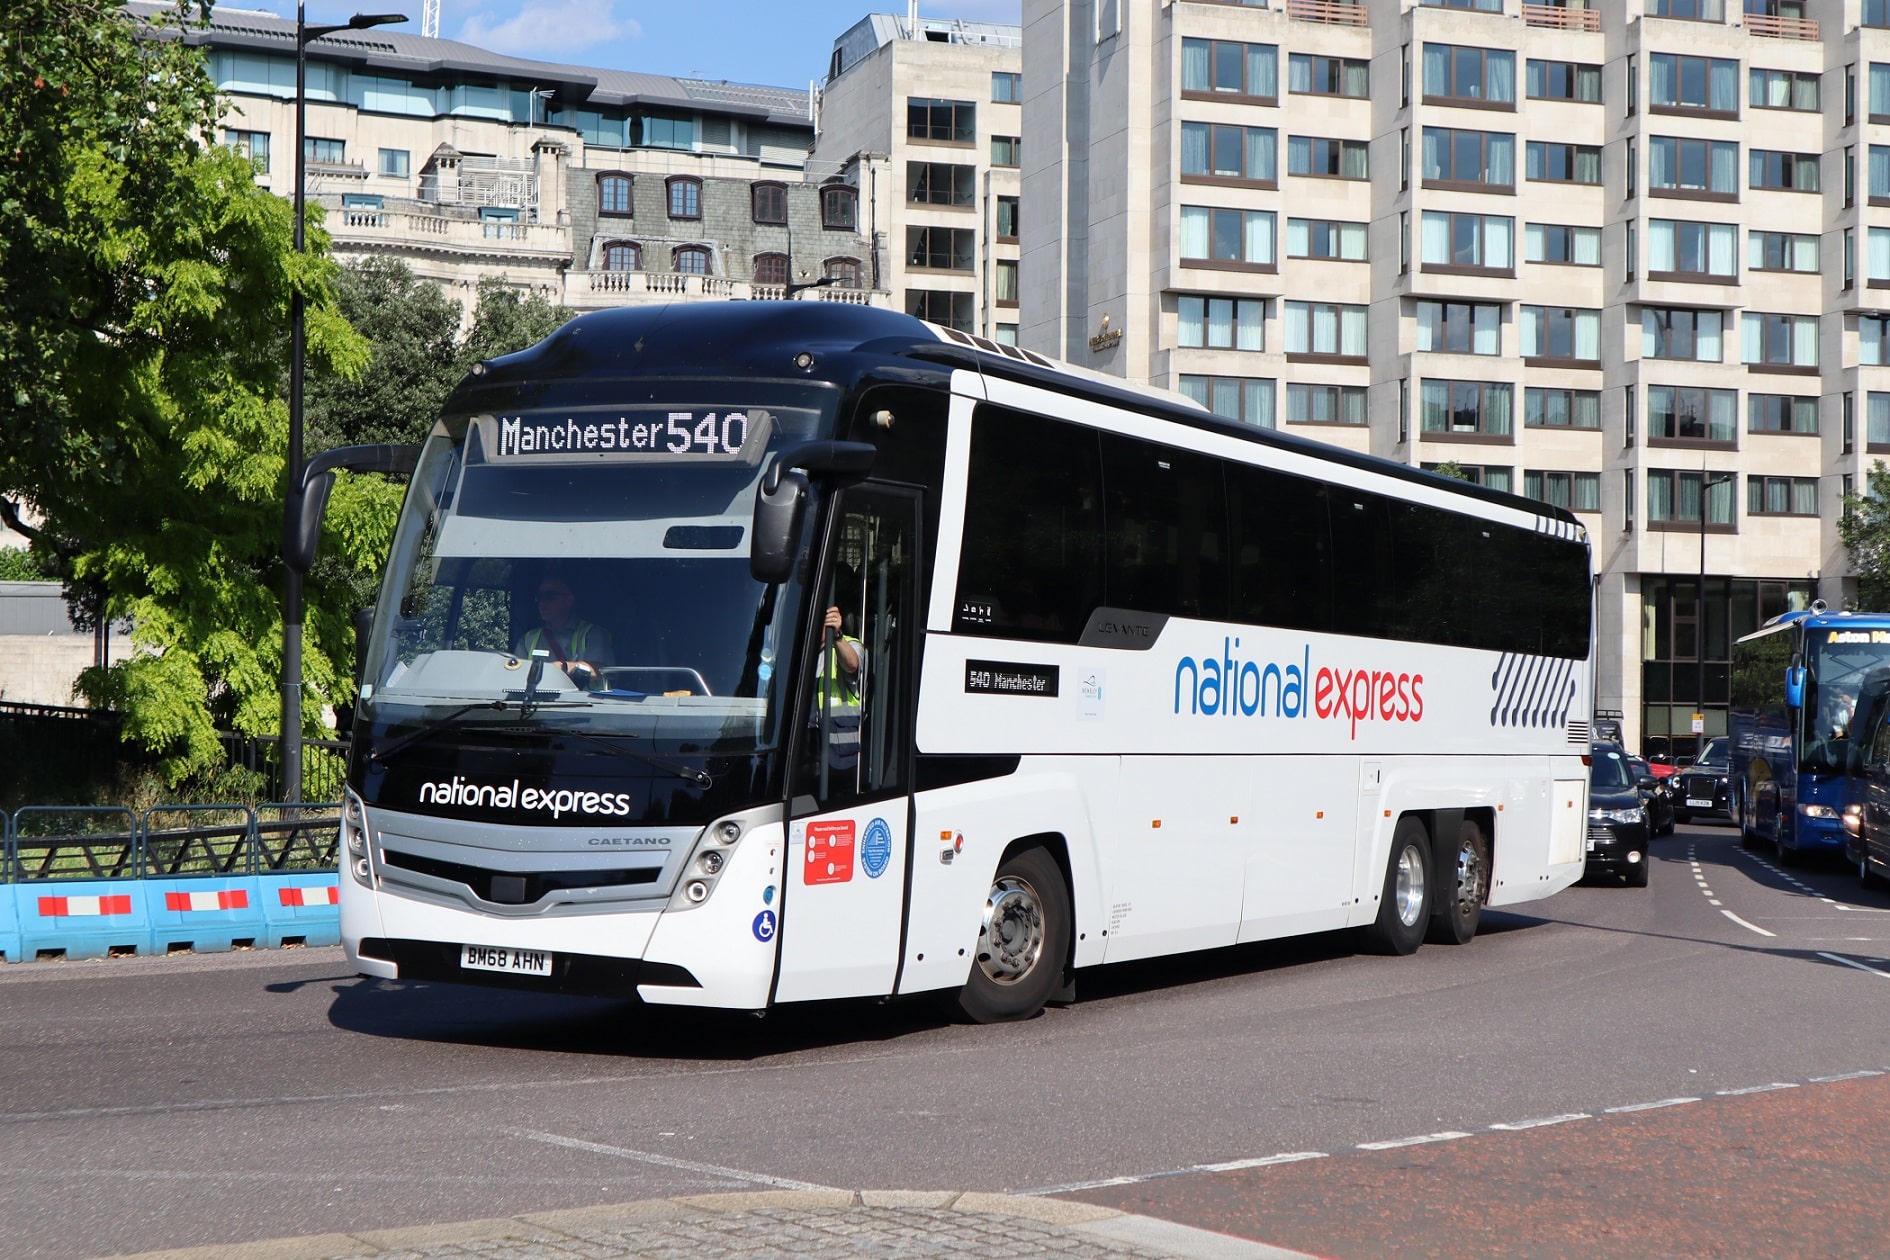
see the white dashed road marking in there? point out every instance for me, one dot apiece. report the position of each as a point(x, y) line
point(1851, 962)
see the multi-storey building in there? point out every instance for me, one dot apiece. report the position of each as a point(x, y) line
point(938, 101)
point(1621, 257)
point(593, 187)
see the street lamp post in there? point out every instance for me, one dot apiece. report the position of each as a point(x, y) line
point(1707, 482)
point(291, 735)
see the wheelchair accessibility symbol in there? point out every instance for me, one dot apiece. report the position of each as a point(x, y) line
point(764, 926)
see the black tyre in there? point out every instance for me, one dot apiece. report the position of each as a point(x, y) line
point(1465, 887)
point(1637, 873)
point(1681, 816)
point(1404, 909)
point(1024, 942)
point(1866, 877)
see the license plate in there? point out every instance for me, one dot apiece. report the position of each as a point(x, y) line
point(1694, 802)
point(530, 962)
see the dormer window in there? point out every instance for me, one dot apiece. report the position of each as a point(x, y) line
point(685, 197)
point(613, 194)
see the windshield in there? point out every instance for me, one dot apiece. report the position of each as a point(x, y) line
point(1836, 662)
point(1610, 773)
point(1714, 754)
point(588, 570)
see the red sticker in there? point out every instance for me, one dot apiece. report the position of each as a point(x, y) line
point(829, 852)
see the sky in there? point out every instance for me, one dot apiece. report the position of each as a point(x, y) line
point(781, 43)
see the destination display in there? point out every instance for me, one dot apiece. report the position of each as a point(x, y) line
point(693, 434)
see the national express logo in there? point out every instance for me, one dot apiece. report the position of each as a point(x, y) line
point(557, 803)
point(1230, 687)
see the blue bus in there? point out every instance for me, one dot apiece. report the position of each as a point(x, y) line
point(1795, 688)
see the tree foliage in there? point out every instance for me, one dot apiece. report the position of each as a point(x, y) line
point(1864, 528)
point(144, 285)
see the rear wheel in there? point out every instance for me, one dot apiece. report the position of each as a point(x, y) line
point(1466, 888)
point(1023, 942)
point(1404, 903)
point(1866, 877)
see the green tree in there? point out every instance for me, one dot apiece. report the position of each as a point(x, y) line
point(412, 330)
point(1452, 469)
point(1864, 527)
point(144, 283)
point(506, 321)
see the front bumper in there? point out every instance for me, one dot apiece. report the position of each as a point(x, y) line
point(1616, 846)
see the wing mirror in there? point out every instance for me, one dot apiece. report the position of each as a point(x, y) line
point(1794, 686)
point(781, 500)
point(307, 500)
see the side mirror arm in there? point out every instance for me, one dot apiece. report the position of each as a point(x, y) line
point(308, 498)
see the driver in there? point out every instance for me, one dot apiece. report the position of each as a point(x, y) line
point(578, 647)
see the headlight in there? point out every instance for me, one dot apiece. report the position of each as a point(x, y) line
point(1817, 811)
point(713, 851)
point(354, 839)
point(1637, 814)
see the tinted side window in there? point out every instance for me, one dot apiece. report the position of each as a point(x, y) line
point(1280, 549)
point(1439, 587)
point(1032, 562)
point(1538, 594)
point(1365, 593)
point(1166, 514)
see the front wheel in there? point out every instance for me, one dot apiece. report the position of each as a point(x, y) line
point(1404, 904)
point(1023, 942)
point(1467, 887)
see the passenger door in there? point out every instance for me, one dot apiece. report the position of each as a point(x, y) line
point(844, 888)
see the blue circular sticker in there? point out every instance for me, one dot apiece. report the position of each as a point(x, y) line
point(764, 926)
point(876, 848)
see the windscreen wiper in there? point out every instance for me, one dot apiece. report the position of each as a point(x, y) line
point(701, 778)
point(380, 755)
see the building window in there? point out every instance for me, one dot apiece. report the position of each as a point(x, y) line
point(951, 122)
point(318, 149)
point(1781, 413)
point(1877, 423)
point(1459, 327)
point(1873, 340)
point(1707, 85)
point(691, 260)
point(1783, 172)
point(768, 202)
point(613, 194)
point(1553, 162)
point(1877, 89)
point(1222, 67)
point(1877, 13)
point(1693, 167)
point(1560, 332)
point(664, 131)
point(1467, 240)
point(1481, 6)
point(1563, 81)
point(1007, 87)
point(1004, 334)
point(1249, 400)
point(1328, 404)
point(1325, 238)
point(1781, 251)
point(1779, 340)
point(1493, 476)
point(953, 310)
point(1320, 155)
point(623, 256)
point(1678, 250)
point(1004, 150)
point(1325, 330)
point(1781, 496)
point(771, 269)
point(1562, 243)
point(395, 163)
point(1455, 75)
point(1210, 234)
point(1223, 151)
point(1848, 422)
point(941, 184)
point(839, 207)
point(1222, 323)
point(1484, 159)
point(1007, 218)
point(1575, 491)
point(685, 197)
point(1673, 498)
point(1004, 284)
point(1692, 10)
point(1316, 75)
point(253, 145)
point(1783, 89)
point(942, 248)
point(1677, 333)
point(1692, 414)
point(1561, 408)
point(1467, 408)
point(844, 272)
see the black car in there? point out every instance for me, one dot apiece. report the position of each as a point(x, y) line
point(1700, 790)
point(1617, 819)
point(1656, 794)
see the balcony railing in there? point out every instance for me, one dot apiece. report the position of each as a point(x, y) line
point(620, 286)
point(1559, 18)
point(353, 224)
point(1330, 12)
point(1781, 27)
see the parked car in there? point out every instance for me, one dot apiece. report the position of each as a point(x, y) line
point(1700, 789)
point(1617, 819)
point(1656, 794)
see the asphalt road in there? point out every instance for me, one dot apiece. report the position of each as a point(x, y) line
point(178, 1101)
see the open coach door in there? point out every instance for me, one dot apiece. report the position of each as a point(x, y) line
point(843, 894)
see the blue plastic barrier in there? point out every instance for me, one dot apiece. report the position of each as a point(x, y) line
point(210, 915)
point(83, 918)
point(9, 912)
point(300, 908)
point(197, 864)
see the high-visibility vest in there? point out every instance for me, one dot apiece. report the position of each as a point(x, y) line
point(842, 710)
point(579, 641)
